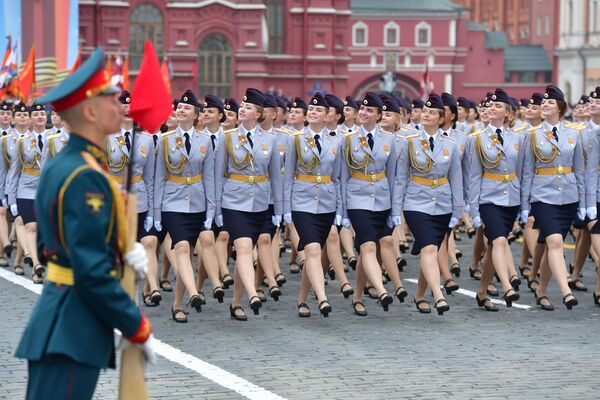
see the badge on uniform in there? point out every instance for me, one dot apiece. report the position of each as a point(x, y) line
point(242, 138)
point(571, 141)
point(424, 144)
point(121, 141)
point(462, 148)
point(386, 149)
point(202, 149)
point(94, 202)
point(517, 146)
point(446, 154)
point(178, 143)
point(310, 142)
point(33, 144)
point(143, 151)
point(281, 149)
point(334, 151)
point(265, 148)
point(363, 141)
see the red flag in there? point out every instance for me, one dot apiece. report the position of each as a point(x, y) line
point(26, 79)
point(126, 84)
point(150, 100)
point(164, 70)
point(108, 66)
point(77, 62)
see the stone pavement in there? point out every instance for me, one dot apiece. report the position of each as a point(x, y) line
point(465, 354)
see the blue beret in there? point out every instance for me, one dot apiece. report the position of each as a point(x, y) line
point(270, 101)
point(350, 102)
point(211, 101)
point(280, 102)
point(552, 92)
point(390, 104)
point(231, 104)
point(125, 97)
point(335, 102)
point(501, 96)
point(463, 102)
point(449, 100)
point(319, 100)
point(403, 104)
point(36, 107)
point(596, 93)
point(4, 106)
point(20, 107)
point(524, 102)
point(372, 100)
point(418, 103)
point(536, 99)
point(514, 104)
point(434, 101)
point(299, 103)
point(254, 96)
point(584, 99)
point(188, 97)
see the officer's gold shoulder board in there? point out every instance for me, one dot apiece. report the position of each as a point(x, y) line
point(56, 135)
point(283, 130)
point(413, 136)
point(535, 128)
point(168, 133)
point(349, 134)
point(7, 136)
point(404, 129)
point(479, 132)
point(388, 132)
point(297, 133)
point(448, 137)
point(519, 129)
point(231, 130)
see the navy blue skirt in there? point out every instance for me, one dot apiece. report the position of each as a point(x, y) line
point(552, 218)
point(497, 220)
point(426, 229)
point(26, 210)
point(312, 228)
point(183, 226)
point(369, 226)
point(243, 224)
point(596, 228)
point(579, 224)
point(141, 232)
point(268, 226)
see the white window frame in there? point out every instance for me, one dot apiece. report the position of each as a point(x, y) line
point(391, 25)
point(357, 26)
point(418, 27)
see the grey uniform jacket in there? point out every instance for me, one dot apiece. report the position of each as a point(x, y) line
point(143, 166)
point(486, 151)
point(444, 162)
point(462, 141)
point(28, 156)
point(556, 188)
point(304, 158)
point(56, 142)
point(592, 173)
point(8, 145)
point(364, 194)
point(238, 157)
point(183, 182)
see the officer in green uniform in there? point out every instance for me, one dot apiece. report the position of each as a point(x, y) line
point(81, 237)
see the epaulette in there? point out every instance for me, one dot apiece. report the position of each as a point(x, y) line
point(388, 132)
point(56, 135)
point(535, 128)
point(460, 132)
point(412, 136)
point(168, 133)
point(404, 129)
point(7, 136)
point(347, 134)
point(297, 133)
point(231, 130)
point(479, 132)
point(519, 129)
point(283, 130)
point(448, 137)
point(267, 132)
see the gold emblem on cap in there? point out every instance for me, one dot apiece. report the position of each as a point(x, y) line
point(494, 97)
point(365, 102)
point(185, 98)
point(384, 108)
point(545, 95)
point(314, 101)
point(428, 104)
point(245, 98)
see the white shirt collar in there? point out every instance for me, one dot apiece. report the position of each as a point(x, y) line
point(434, 136)
point(593, 125)
point(313, 133)
point(494, 128)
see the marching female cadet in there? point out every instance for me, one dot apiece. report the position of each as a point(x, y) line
point(553, 182)
point(184, 195)
point(58, 135)
point(246, 175)
point(22, 182)
point(428, 189)
point(312, 197)
point(415, 114)
point(208, 263)
point(231, 114)
point(120, 149)
point(497, 157)
point(367, 181)
point(462, 109)
point(8, 144)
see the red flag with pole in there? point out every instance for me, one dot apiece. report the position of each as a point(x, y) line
point(26, 79)
point(126, 84)
point(150, 100)
point(164, 69)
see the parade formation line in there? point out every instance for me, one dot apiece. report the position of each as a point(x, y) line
point(207, 370)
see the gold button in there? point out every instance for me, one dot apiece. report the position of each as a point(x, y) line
point(319, 179)
point(373, 177)
point(188, 181)
point(251, 179)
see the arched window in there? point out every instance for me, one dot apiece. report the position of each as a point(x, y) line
point(391, 34)
point(145, 22)
point(214, 72)
point(422, 34)
point(276, 26)
point(360, 34)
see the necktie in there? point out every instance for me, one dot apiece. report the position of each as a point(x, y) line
point(3, 133)
point(213, 138)
point(370, 140)
point(500, 138)
point(155, 138)
point(417, 127)
point(249, 136)
point(318, 142)
point(445, 133)
point(555, 134)
point(127, 141)
point(431, 143)
point(188, 145)
point(332, 133)
point(58, 131)
point(40, 143)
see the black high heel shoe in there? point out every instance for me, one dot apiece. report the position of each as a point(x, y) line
point(403, 247)
point(196, 302)
point(422, 310)
point(441, 309)
point(530, 283)
point(572, 302)
point(352, 261)
point(255, 305)
point(234, 315)
point(470, 232)
point(385, 300)
point(509, 296)
point(261, 295)
point(303, 314)
point(227, 280)
point(401, 263)
point(401, 294)
point(475, 274)
point(486, 303)
point(348, 291)
point(275, 292)
point(596, 299)
point(324, 308)
point(280, 279)
point(455, 270)
point(459, 254)
point(360, 313)
point(181, 320)
point(218, 293)
point(515, 282)
point(545, 307)
point(450, 289)
point(331, 273)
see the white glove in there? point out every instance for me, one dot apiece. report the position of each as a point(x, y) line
point(453, 222)
point(13, 210)
point(219, 220)
point(148, 347)
point(208, 224)
point(148, 222)
point(477, 222)
point(592, 213)
point(338, 220)
point(393, 221)
point(581, 213)
point(524, 216)
point(287, 218)
point(276, 219)
point(137, 258)
point(4, 203)
point(346, 223)
point(158, 226)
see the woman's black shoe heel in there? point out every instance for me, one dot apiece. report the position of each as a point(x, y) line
point(303, 314)
point(596, 299)
point(422, 310)
point(255, 305)
point(441, 309)
point(196, 302)
point(486, 303)
point(324, 308)
point(385, 300)
point(455, 270)
point(361, 313)
point(475, 274)
point(219, 293)
point(510, 296)
point(237, 317)
point(545, 307)
point(352, 261)
point(572, 302)
point(515, 282)
point(275, 292)
point(181, 320)
point(401, 263)
point(348, 291)
point(450, 289)
point(401, 294)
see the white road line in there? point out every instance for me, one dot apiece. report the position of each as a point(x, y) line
point(207, 370)
point(473, 294)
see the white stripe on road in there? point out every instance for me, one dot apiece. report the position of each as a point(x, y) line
point(473, 294)
point(207, 370)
